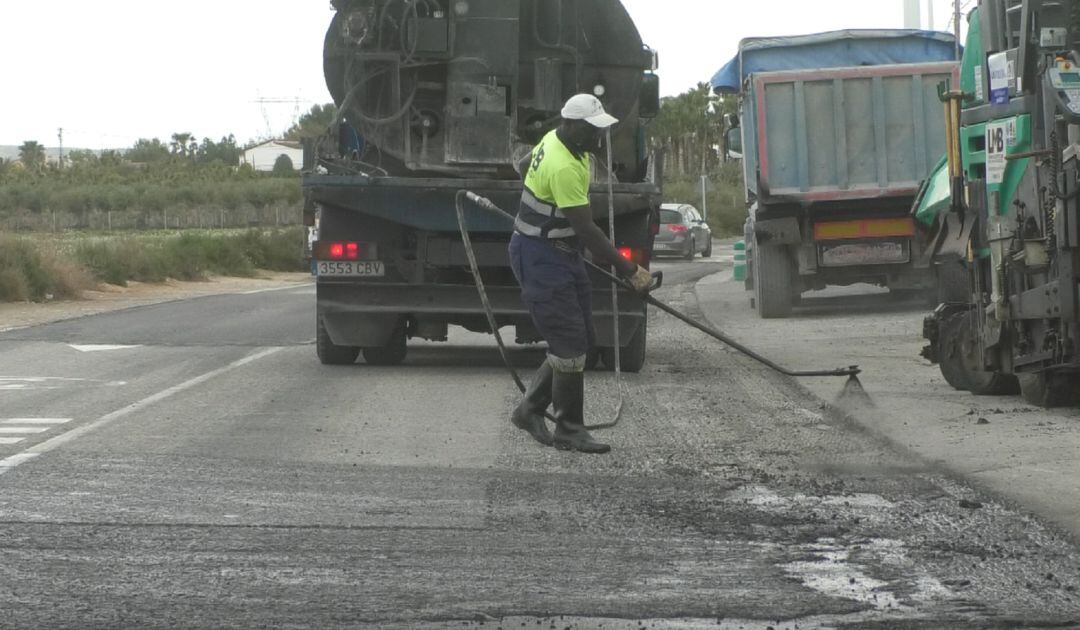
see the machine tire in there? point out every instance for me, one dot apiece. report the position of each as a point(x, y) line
point(950, 353)
point(633, 354)
point(772, 281)
point(980, 381)
point(691, 251)
point(708, 250)
point(1047, 390)
point(393, 353)
point(328, 353)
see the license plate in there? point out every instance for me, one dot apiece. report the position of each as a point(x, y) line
point(854, 254)
point(351, 269)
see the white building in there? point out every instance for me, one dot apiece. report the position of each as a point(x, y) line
point(262, 157)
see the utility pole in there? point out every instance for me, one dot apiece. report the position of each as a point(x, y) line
point(60, 136)
point(930, 14)
point(956, 27)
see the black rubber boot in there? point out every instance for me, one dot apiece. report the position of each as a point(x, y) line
point(529, 415)
point(568, 391)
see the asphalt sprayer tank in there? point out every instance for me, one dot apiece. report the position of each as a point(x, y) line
point(463, 88)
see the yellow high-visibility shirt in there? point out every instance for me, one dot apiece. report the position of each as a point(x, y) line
point(556, 176)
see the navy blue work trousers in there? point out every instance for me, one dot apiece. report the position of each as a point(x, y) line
point(556, 289)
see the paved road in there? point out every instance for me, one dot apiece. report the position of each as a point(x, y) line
point(192, 465)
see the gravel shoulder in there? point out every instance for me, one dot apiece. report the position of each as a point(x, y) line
point(1024, 455)
point(108, 298)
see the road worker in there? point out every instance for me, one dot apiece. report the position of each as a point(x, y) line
point(553, 228)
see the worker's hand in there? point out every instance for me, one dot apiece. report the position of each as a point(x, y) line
point(642, 280)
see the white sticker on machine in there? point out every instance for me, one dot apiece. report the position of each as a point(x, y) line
point(999, 137)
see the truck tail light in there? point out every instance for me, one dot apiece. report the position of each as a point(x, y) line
point(626, 253)
point(348, 250)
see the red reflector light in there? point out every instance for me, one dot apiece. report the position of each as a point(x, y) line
point(676, 228)
point(352, 251)
point(626, 253)
point(337, 251)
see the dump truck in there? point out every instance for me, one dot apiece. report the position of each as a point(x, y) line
point(837, 132)
point(1004, 208)
point(438, 96)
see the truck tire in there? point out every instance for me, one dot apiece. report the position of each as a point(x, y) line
point(772, 281)
point(330, 354)
point(632, 354)
point(393, 353)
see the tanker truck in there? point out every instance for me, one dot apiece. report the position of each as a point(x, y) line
point(837, 131)
point(1004, 208)
point(436, 96)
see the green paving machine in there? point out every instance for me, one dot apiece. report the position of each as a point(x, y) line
point(1004, 207)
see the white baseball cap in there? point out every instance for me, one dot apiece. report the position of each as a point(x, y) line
point(588, 108)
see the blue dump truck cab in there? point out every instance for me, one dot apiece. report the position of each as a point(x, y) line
point(837, 132)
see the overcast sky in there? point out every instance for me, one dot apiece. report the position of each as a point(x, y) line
point(112, 71)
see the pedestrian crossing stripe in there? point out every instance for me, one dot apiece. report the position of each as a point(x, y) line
point(15, 430)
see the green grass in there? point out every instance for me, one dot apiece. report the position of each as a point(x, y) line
point(32, 269)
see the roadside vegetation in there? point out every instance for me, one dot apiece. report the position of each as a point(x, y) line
point(41, 268)
point(690, 131)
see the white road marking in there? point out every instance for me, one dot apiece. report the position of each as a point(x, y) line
point(100, 348)
point(36, 421)
point(8, 440)
point(22, 430)
point(50, 382)
point(13, 461)
point(256, 291)
point(8, 463)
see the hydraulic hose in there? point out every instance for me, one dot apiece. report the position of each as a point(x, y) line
point(851, 372)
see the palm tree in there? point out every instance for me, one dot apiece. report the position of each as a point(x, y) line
point(181, 143)
point(32, 154)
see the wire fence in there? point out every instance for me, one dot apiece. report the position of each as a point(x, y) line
point(273, 215)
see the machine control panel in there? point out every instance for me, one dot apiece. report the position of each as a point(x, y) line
point(1067, 84)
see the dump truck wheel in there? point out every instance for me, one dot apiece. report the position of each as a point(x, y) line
point(328, 352)
point(772, 281)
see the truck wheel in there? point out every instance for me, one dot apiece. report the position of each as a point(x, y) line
point(1047, 390)
point(633, 354)
point(393, 353)
point(952, 283)
point(772, 281)
point(330, 354)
